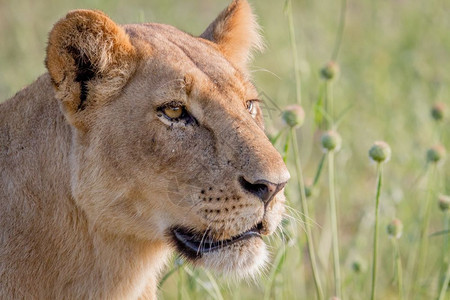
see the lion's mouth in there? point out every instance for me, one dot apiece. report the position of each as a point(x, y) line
point(194, 244)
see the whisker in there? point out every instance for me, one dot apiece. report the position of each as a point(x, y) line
point(202, 240)
point(265, 70)
point(299, 214)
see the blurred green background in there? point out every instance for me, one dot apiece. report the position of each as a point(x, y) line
point(394, 61)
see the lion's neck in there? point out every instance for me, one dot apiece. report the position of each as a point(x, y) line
point(119, 268)
point(43, 233)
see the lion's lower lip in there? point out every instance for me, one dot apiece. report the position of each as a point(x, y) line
point(194, 244)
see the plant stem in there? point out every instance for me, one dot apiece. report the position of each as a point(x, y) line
point(423, 239)
point(286, 148)
point(180, 284)
point(398, 263)
point(446, 228)
point(446, 258)
point(340, 32)
point(274, 139)
point(445, 283)
point(294, 51)
point(305, 211)
point(375, 235)
point(319, 170)
point(329, 102)
point(334, 226)
point(329, 107)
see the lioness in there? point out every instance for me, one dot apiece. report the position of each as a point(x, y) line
point(140, 140)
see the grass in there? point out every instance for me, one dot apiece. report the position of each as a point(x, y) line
point(393, 57)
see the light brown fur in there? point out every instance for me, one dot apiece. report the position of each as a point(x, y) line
point(93, 177)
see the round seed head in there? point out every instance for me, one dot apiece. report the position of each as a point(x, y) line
point(358, 264)
point(444, 202)
point(330, 71)
point(438, 111)
point(331, 141)
point(356, 267)
point(395, 229)
point(310, 191)
point(436, 153)
point(293, 115)
point(380, 152)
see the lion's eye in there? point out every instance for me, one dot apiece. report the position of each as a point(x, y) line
point(250, 104)
point(173, 112)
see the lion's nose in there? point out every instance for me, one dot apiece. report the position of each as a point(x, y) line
point(263, 189)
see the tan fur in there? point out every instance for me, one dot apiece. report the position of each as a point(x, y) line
point(91, 185)
point(236, 32)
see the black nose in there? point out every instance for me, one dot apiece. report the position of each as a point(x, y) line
point(263, 189)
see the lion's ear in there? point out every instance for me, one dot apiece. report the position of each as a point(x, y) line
point(236, 32)
point(90, 59)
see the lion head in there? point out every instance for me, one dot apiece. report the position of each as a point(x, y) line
point(168, 135)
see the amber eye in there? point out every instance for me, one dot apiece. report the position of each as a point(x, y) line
point(174, 112)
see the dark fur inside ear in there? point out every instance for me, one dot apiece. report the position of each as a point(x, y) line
point(85, 69)
point(85, 72)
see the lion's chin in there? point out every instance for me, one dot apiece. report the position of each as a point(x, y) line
point(240, 256)
point(242, 259)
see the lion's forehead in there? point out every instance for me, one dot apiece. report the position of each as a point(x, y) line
point(185, 54)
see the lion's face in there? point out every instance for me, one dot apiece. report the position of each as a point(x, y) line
point(180, 156)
